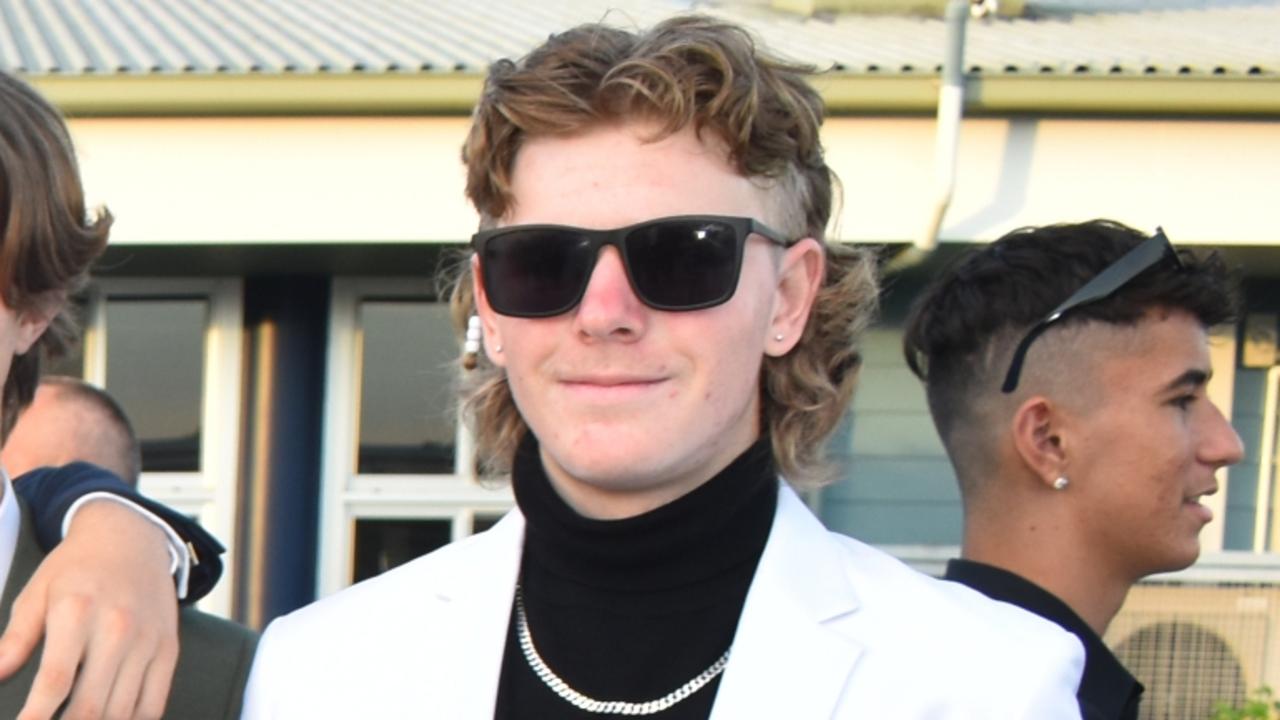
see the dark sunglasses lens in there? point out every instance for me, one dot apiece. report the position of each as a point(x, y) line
point(684, 264)
point(535, 272)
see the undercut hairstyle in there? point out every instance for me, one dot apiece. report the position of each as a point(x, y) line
point(47, 239)
point(115, 439)
point(699, 72)
point(962, 330)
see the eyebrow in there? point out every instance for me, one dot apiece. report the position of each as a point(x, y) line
point(1194, 377)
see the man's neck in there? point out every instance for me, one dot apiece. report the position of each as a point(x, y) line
point(1042, 555)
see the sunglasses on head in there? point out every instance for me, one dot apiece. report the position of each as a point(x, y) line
point(688, 262)
point(1103, 285)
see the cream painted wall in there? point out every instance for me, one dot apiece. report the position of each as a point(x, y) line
point(400, 179)
point(1204, 181)
point(277, 179)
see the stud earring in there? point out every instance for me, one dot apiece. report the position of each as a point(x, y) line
point(779, 337)
point(471, 345)
point(1061, 483)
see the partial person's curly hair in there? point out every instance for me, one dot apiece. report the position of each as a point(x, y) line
point(699, 72)
point(47, 238)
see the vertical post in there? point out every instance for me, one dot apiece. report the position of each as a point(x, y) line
point(285, 324)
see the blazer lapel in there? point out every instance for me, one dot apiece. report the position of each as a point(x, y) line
point(474, 601)
point(789, 658)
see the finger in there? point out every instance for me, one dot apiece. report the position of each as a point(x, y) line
point(25, 628)
point(64, 647)
point(114, 641)
point(124, 694)
point(156, 683)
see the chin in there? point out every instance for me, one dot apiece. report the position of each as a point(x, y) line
point(615, 475)
point(1181, 560)
point(608, 451)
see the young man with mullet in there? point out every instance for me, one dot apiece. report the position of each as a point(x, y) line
point(665, 334)
point(1065, 368)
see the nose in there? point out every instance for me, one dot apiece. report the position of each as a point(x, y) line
point(1222, 446)
point(609, 307)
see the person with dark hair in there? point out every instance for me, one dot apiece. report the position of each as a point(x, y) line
point(71, 420)
point(1066, 368)
point(658, 334)
point(92, 629)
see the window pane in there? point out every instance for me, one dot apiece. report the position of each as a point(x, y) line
point(406, 405)
point(384, 544)
point(155, 366)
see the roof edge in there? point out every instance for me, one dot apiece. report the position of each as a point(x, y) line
point(456, 93)
point(1060, 95)
point(266, 94)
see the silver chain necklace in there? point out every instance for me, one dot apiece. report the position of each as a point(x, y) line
point(604, 707)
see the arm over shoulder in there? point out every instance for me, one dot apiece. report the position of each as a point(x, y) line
point(52, 491)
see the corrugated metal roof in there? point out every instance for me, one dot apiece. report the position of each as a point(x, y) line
point(178, 37)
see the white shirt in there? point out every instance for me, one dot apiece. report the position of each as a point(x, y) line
point(10, 522)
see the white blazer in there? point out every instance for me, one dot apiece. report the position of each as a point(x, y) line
point(831, 628)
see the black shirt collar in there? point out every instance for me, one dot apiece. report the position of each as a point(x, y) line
point(1107, 689)
point(718, 526)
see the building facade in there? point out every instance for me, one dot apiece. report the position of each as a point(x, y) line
point(288, 192)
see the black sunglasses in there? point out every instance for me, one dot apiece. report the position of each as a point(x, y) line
point(688, 262)
point(1103, 285)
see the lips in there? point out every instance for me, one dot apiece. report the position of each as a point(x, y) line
point(1192, 503)
point(610, 380)
point(611, 388)
point(1196, 495)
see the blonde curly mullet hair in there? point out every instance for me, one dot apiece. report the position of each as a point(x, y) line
point(698, 71)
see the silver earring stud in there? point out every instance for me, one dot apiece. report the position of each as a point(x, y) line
point(497, 349)
point(1061, 483)
point(779, 337)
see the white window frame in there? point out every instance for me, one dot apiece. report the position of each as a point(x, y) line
point(209, 494)
point(1266, 531)
point(348, 496)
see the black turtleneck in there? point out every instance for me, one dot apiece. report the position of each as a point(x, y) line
point(632, 609)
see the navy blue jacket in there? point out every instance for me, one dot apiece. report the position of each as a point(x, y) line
point(50, 492)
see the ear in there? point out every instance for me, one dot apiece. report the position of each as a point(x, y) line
point(488, 318)
point(800, 276)
point(1038, 438)
point(31, 325)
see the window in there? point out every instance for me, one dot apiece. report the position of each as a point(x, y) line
point(396, 466)
point(406, 382)
point(155, 364)
point(381, 544)
point(169, 351)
